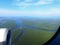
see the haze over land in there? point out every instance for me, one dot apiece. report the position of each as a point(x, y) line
point(30, 30)
point(32, 22)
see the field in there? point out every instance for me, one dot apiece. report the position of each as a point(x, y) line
point(35, 32)
point(30, 31)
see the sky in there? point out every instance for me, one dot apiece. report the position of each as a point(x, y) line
point(47, 8)
point(29, 7)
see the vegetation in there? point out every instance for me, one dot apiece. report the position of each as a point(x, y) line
point(34, 36)
point(31, 32)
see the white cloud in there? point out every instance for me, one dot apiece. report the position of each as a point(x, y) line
point(43, 2)
point(28, 0)
point(39, 2)
point(48, 12)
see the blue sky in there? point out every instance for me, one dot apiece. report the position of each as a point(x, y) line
point(30, 7)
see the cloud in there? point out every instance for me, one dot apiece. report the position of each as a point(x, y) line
point(43, 2)
point(27, 3)
point(48, 12)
